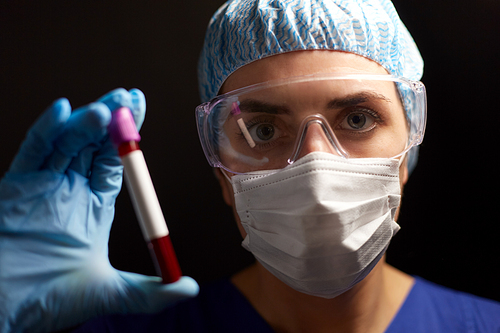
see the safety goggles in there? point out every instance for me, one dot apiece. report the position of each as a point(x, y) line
point(270, 125)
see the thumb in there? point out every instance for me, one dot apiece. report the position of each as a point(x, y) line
point(146, 294)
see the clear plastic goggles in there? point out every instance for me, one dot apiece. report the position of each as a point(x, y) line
point(270, 125)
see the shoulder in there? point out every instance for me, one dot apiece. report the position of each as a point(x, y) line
point(431, 307)
point(219, 307)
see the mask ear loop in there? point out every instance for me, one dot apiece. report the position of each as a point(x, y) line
point(224, 172)
point(403, 155)
point(401, 159)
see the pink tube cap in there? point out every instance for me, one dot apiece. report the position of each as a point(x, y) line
point(122, 127)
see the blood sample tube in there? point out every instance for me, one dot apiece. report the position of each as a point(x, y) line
point(125, 136)
point(235, 111)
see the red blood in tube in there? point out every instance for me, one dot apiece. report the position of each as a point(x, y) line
point(162, 250)
point(166, 259)
point(128, 147)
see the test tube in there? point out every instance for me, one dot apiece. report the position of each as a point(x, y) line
point(236, 112)
point(125, 137)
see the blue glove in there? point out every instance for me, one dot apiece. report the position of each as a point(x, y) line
point(56, 209)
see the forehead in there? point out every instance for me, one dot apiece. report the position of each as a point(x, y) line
point(323, 93)
point(299, 63)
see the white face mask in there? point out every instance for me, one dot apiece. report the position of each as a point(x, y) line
point(321, 224)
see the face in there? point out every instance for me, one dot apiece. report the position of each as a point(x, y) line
point(309, 99)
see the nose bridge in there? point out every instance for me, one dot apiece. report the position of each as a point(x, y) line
point(315, 134)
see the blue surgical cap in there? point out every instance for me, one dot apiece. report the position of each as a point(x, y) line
point(243, 31)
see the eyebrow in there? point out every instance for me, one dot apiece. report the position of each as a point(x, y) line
point(256, 106)
point(355, 99)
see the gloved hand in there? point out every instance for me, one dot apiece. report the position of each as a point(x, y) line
point(56, 209)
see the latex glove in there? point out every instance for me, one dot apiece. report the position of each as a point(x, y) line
point(56, 209)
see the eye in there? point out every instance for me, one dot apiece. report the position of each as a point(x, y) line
point(262, 132)
point(356, 120)
point(359, 120)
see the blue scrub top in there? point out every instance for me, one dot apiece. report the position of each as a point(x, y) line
point(220, 307)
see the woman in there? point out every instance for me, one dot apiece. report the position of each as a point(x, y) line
point(315, 117)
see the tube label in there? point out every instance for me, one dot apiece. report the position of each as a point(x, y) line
point(143, 195)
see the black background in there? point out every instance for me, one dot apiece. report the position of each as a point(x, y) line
point(82, 49)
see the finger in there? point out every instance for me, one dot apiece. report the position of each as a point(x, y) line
point(82, 163)
point(107, 171)
point(117, 98)
point(39, 142)
point(138, 107)
point(133, 99)
point(86, 126)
